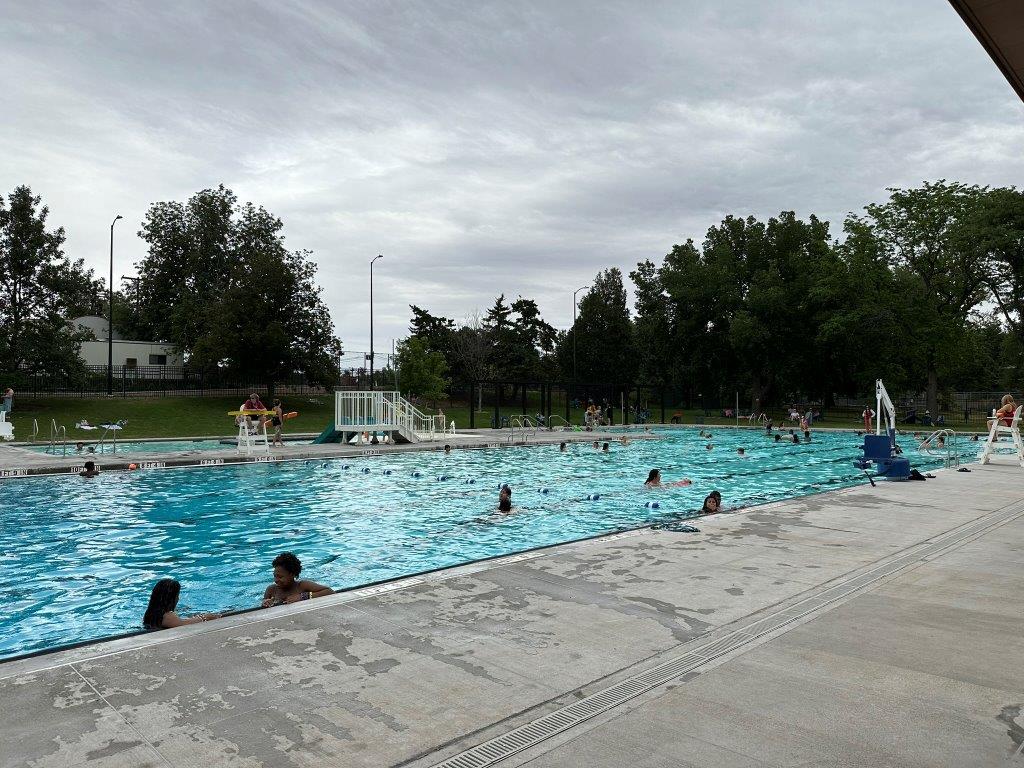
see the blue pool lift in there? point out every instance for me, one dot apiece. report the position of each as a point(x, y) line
point(881, 452)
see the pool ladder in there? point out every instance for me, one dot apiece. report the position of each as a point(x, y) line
point(58, 436)
point(565, 426)
point(948, 453)
point(526, 426)
point(113, 441)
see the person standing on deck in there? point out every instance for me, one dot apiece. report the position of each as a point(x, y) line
point(277, 422)
point(8, 400)
point(867, 415)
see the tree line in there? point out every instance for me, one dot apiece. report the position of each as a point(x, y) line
point(217, 283)
point(924, 290)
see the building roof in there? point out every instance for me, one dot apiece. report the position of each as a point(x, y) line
point(999, 27)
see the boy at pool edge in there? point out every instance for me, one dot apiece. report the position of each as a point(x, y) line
point(287, 588)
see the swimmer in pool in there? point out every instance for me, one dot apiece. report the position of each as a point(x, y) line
point(447, 449)
point(741, 452)
point(504, 504)
point(654, 481)
point(561, 447)
point(709, 447)
point(162, 602)
point(604, 448)
point(287, 588)
point(711, 505)
point(90, 470)
point(796, 440)
point(623, 440)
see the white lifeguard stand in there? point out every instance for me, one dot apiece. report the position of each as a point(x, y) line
point(997, 429)
point(252, 435)
point(6, 428)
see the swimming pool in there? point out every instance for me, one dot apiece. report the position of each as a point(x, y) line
point(147, 446)
point(80, 556)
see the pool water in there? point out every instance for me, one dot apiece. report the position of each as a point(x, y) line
point(81, 555)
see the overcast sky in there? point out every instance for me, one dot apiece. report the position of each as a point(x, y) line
point(488, 147)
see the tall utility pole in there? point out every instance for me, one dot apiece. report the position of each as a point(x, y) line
point(378, 256)
point(574, 337)
point(110, 316)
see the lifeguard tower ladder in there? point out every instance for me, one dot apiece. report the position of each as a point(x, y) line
point(6, 428)
point(252, 434)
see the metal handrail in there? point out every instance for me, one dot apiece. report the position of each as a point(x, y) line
point(565, 424)
point(56, 432)
point(103, 439)
point(526, 422)
point(952, 455)
point(35, 431)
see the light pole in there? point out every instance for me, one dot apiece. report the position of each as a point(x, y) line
point(378, 256)
point(110, 317)
point(574, 337)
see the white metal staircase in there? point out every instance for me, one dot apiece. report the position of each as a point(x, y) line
point(357, 412)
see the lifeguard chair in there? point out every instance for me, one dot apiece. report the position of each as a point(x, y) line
point(999, 428)
point(252, 434)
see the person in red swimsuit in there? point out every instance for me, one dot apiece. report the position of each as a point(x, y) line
point(1005, 412)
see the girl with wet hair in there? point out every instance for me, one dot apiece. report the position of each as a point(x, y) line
point(162, 603)
point(711, 504)
point(653, 478)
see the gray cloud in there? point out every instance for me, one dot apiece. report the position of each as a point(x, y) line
point(490, 147)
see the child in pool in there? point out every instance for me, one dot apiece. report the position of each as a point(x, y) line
point(287, 588)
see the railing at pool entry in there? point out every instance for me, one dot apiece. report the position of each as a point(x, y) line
point(946, 449)
point(58, 438)
point(356, 412)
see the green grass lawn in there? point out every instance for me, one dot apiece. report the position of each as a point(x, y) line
point(158, 416)
point(194, 416)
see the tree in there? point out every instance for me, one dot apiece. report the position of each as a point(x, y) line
point(435, 331)
point(41, 290)
point(999, 233)
point(470, 349)
point(928, 234)
point(237, 299)
point(652, 325)
point(192, 256)
point(423, 372)
point(603, 334)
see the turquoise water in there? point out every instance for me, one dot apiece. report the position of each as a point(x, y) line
point(81, 555)
point(153, 446)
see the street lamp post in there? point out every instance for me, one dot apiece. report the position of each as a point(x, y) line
point(574, 337)
point(110, 317)
point(378, 256)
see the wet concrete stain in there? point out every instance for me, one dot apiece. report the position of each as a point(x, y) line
point(1009, 717)
point(734, 591)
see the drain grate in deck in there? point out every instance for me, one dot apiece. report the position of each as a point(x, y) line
point(553, 723)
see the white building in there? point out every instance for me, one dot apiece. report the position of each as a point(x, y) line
point(132, 354)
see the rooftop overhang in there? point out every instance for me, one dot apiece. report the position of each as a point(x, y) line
point(999, 27)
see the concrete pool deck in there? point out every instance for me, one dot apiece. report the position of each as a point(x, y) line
point(864, 627)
